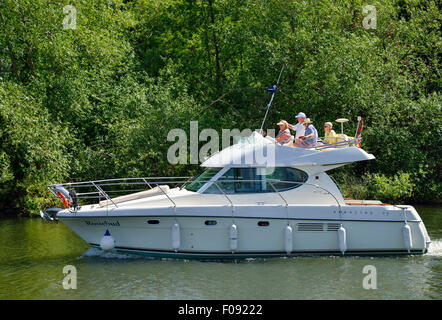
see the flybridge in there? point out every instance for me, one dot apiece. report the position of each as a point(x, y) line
point(258, 151)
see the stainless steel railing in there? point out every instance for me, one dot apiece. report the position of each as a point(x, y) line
point(102, 189)
point(339, 144)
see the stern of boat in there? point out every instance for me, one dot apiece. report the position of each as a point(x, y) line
point(420, 229)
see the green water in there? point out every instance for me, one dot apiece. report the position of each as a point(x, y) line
point(34, 252)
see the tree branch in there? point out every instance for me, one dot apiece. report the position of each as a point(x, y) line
point(220, 98)
point(11, 52)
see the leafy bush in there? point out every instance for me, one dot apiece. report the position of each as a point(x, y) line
point(377, 186)
point(396, 188)
point(98, 101)
point(33, 151)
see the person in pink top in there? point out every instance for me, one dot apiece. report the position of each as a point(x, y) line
point(284, 136)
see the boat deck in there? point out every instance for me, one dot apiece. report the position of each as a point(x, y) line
point(353, 202)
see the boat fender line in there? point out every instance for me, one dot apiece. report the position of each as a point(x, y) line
point(288, 239)
point(408, 241)
point(107, 242)
point(176, 236)
point(233, 237)
point(406, 232)
point(342, 239)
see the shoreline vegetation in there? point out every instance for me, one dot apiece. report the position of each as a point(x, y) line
point(97, 101)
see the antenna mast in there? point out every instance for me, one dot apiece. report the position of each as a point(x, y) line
point(273, 90)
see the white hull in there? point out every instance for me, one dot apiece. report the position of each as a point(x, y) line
point(241, 209)
point(369, 230)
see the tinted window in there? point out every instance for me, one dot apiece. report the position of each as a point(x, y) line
point(282, 178)
point(201, 179)
point(250, 180)
point(245, 180)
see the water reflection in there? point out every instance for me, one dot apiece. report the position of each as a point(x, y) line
point(33, 253)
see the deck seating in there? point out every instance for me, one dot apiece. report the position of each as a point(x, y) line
point(138, 195)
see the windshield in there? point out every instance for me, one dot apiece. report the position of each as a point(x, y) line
point(253, 180)
point(199, 180)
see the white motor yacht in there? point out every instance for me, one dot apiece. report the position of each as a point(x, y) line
point(240, 207)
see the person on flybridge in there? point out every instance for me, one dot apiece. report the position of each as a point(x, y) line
point(284, 136)
point(330, 134)
point(299, 127)
point(310, 137)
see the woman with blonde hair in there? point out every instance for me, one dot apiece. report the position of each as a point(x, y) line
point(284, 136)
point(330, 135)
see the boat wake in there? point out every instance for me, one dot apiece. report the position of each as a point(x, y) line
point(95, 252)
point(435, 248)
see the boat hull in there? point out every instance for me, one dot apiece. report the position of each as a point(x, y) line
point(209, 237)
point(254, 255)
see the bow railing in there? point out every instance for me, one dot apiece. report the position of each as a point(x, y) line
point(112, 192)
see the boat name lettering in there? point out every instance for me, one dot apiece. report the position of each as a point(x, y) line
point(102, 223)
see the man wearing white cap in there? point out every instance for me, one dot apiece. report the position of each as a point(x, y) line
point(299, 127)
point(310, 138)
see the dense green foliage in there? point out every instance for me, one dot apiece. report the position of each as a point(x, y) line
point(98, 101)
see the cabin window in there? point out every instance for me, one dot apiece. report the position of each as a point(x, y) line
point(245, 181)
point(281, 178)
point(252, 180)
point(199, 180)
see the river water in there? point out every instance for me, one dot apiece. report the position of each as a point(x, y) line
point(34, 252)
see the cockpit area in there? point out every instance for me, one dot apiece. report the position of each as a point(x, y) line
point(247, 180)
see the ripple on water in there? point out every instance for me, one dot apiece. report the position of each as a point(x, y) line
point(95, 252)
point(34, 254)
point(435, 248)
